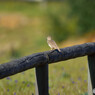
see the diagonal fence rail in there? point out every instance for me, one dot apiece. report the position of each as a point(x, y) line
point(41, 60)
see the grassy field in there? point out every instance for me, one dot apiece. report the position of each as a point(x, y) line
point(68, 77)
point(23, 31)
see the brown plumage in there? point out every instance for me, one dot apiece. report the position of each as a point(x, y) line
point(52, 43)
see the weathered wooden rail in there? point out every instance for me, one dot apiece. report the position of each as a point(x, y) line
point(41, 60)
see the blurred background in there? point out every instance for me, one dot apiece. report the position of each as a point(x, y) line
point(24, 27)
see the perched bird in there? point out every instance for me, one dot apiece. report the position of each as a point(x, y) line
point(52, 44)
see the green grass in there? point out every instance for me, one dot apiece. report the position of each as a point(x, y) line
point(67, 77)
point(21, 7)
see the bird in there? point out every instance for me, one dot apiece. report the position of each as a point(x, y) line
point(52, 44)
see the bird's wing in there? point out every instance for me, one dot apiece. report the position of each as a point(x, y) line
point(54, 44)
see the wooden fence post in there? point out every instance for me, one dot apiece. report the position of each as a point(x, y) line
point(89, 83)
point(42, 80)
point(91, 65)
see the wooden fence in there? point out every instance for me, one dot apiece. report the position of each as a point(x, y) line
point(41, 60)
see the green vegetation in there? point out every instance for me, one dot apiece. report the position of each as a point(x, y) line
point(23, 31)
point(68, 18)
point(84, 10)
